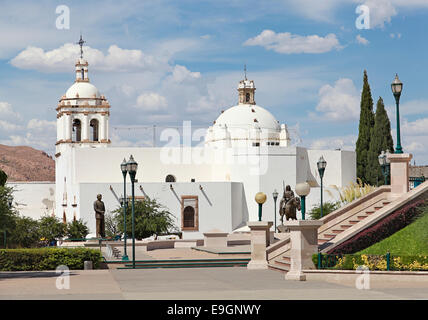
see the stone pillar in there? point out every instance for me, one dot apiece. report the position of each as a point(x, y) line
point(68, 127)
point(260, 240)
point(304, 243)
point(215, 238)
point(85, 128)
point(399, 172)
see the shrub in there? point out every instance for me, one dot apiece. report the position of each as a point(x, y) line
point(77, 229)
point(47, 258)
point(51, 228)
point(352, 191)
point(327, 207)
point(25, 233)
point(381, 230)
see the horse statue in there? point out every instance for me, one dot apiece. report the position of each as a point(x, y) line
point(288, 205)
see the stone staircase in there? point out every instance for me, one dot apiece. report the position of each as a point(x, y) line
point(347, 222)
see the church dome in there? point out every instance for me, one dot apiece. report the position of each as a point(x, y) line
point(82, 90)
point(247, 116)
point(246, 124)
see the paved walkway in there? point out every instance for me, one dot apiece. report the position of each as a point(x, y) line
point(206, 283)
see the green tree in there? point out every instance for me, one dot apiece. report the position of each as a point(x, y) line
point(112, 228)
point(7, 211)
point(25, 233)
point(151, 218)
point(51, 228)
point(77, 229)
point(381, 140)
point(327, 207)
point(364, 130)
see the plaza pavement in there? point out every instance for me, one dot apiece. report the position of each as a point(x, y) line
point(207, 283)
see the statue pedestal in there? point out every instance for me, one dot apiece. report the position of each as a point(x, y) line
point(399, 172)
point(304, 243)
point(260, 240)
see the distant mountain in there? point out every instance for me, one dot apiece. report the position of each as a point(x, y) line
point(26, 164)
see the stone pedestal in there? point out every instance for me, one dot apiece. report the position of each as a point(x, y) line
point(215, 238)
point(260, 240)
point(399, 172)
point(304, 243)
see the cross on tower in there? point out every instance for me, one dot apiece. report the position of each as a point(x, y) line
point(245, 71)
point(81, 42)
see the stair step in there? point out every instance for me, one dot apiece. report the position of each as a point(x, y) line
point(377, 208)
point(278, 268)
point(287, 259)
point(282, 263)
point(361, 217)
point(346, 226)
point(329, 235)
point(354, 221)
point(337, 230)
point(386, 202)
point(321, 241)
point(369, 212)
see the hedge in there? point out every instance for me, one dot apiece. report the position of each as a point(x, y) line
point(373, 262)
point(47, 258)
point(381, 230)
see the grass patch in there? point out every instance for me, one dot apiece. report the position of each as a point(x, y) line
point(411, 240)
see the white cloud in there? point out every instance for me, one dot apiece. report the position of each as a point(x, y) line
point(63, 58)
point(41, 125)
point(332, 143)
point(182, 74)
point(417, 127)
point(151, 102)
point(6, 111)
point(338, 103)
point(8, 126)
point(362, 40)
point(288, 43)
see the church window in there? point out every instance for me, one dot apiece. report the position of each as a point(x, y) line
point(247, 97)
point(170, 178)
point(256, 144)
point(94, 129)
point(189, 213)
point(77, 130)
point(83, 73)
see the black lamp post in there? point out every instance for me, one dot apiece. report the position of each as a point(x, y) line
point(131, 168)
point(321, 164)
point(384, 164)
point(397, 87)
point(123, 166)
point(275, 197)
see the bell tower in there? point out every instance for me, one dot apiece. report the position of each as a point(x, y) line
point(246, 89)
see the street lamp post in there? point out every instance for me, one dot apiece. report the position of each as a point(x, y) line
point(131, 168)
point(260, 199)
point(123, 166)
point(384, 164)
point(321, 164)
point(275, 197)
point(302, 190)
point(397, 87)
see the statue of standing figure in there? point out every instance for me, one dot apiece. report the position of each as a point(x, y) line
point(288, 205)
point(99, 216)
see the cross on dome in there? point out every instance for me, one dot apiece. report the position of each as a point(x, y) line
point(81, 42)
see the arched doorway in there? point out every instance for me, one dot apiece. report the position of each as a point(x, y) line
point(189, 217)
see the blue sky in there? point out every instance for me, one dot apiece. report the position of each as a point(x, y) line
point(164, 62)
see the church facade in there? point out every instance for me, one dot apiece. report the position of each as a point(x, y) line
point(246, 150)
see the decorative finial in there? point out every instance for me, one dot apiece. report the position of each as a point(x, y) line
point(245, 71)
point(81, 42)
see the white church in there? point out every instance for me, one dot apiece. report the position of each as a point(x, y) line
point(212, 186)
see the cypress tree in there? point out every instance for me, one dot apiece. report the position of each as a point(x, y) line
point(381, 140)
point(364, 130)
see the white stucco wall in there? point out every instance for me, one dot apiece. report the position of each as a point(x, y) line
point(33, 199)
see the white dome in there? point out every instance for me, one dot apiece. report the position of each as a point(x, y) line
point(245, 116)
point(84, 89)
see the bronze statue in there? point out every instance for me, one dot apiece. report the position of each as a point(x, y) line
point(99, 216)
point(288, 205)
